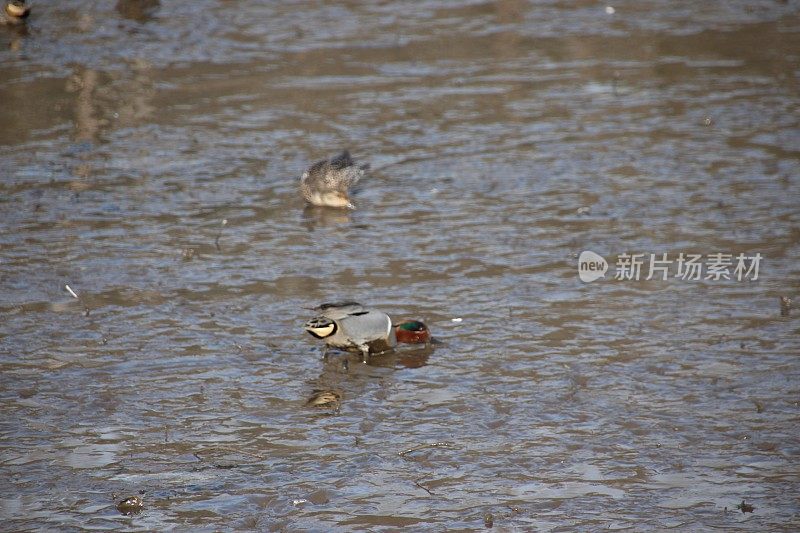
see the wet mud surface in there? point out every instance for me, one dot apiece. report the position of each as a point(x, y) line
point(150, 160)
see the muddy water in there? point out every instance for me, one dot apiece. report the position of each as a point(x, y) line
point(149, 160)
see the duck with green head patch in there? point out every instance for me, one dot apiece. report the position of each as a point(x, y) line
point(350, 326)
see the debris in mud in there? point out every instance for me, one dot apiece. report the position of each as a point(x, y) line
point(423, 446)
point(223, 458)
point(75, 295)
point(488, 520)
point(130, 505)
point(27, 393)
point(745, 507)
point(325, 399)
point(786, 305)
point(69, 290)
point(216, 241)
point(319, 497)
point(423, 487)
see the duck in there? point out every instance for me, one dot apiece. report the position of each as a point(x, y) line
point(327, 183)
point(325, 399)
point(15, 12)
point(348, 325)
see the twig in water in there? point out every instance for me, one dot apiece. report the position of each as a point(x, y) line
point(216, 241)
point(75, 295)
point(423, 487)
point(423, 446)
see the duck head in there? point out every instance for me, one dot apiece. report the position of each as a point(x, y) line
point(412, 332)
point(320, 327)
point(337, 199)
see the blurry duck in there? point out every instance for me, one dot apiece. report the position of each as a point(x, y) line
point(328, 182)
point(350, 326)
point(15, 12)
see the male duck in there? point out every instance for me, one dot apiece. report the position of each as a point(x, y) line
point(350, 326)
point(328, 182)
point(15, 13)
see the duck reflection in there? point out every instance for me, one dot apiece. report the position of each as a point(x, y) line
point(14, 17)
point(315, 217)
point(345, 376)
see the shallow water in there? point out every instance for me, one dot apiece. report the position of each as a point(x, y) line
point(505, 138)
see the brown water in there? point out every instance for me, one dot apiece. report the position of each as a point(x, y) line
point(506, 138)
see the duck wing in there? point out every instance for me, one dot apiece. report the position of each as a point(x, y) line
point(338, 310)
point(336, 174)
point(366, 326)
point(342, 172)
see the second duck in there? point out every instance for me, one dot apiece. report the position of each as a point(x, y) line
point(328, 182)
